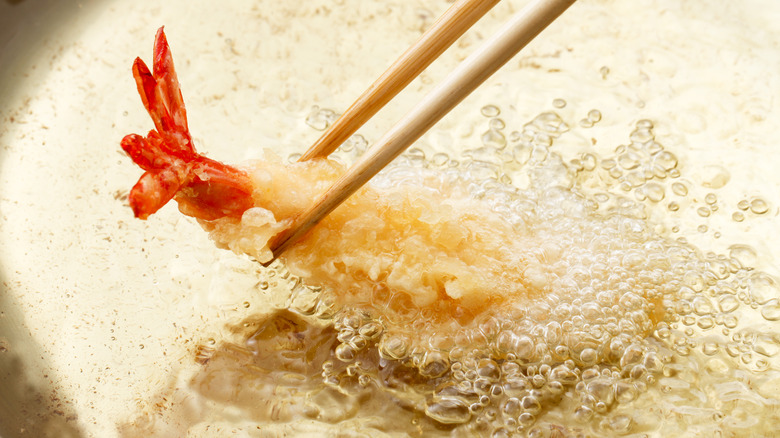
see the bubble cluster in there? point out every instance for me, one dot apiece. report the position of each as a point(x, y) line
point(320, 118)
point(615, 315)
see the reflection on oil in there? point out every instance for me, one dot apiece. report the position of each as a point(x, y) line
point(27, 409)
point(281, 360)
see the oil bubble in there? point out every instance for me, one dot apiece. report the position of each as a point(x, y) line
point(449, 411)
point(655, 192)
point(745, 254)
point(762, 288)
point(666, 160)
point(594, 116)
point(771, 310)
point(679, 189)
point(490, 111)
point(758, 206)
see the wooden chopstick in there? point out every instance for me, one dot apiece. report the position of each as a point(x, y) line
point(448, 28)
point(494, 53)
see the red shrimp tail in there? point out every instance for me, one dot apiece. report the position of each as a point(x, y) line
point(161, 95)
point(163, 177)
point(204, 188)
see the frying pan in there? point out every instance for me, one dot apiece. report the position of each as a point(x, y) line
point(100, 314)
point(28, 403)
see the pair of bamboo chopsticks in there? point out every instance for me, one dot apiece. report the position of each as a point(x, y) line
point(494, 53)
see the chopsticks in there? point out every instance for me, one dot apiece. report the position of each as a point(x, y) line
point(455, 21)
point(493, 54)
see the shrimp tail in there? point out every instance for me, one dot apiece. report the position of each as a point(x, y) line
point(204, 188)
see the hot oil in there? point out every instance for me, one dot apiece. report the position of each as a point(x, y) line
point(627, 327)
point(130, 301)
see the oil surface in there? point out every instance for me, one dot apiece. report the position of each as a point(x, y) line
point(123, 327)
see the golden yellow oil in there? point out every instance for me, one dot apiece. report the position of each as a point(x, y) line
point(646, 127)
